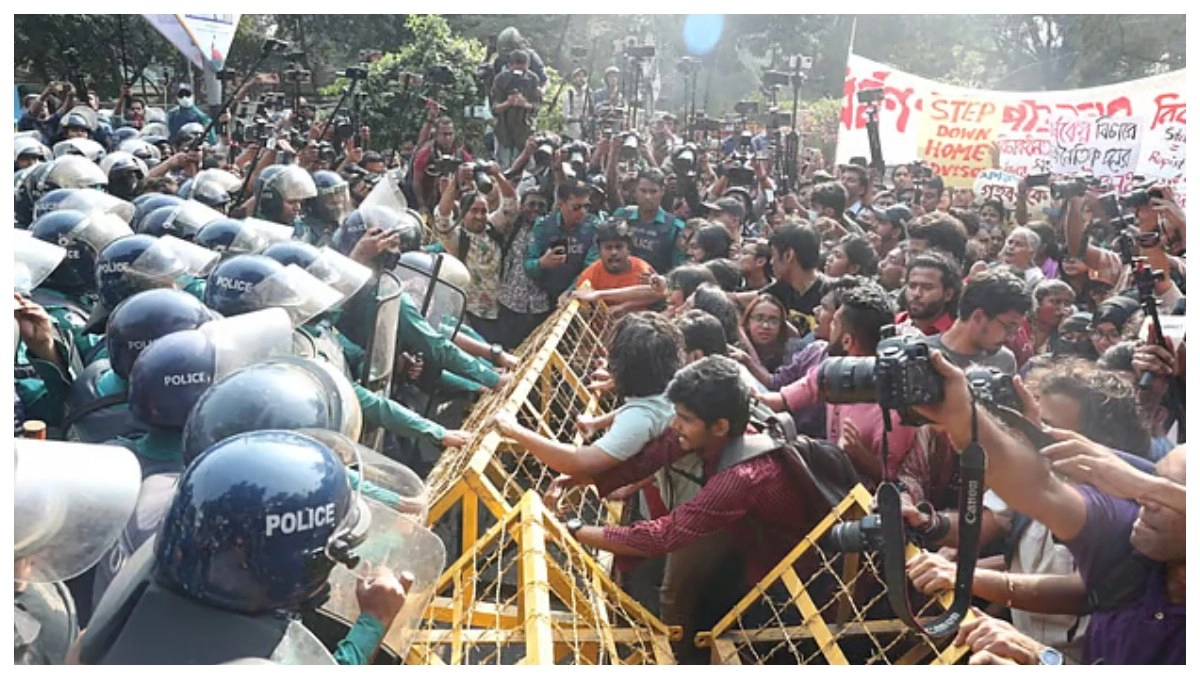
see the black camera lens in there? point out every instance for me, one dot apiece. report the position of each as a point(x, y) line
point(1134, 199)
point(851, 537)
point(847, 379)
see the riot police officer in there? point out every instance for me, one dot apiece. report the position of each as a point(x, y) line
point(99, 408)
point(68, 172)
point(230, 585)
point(182, 221)
point(41, 378)
point(247, 236)
point(70, 503)
point(27, 152)
point(326, 211)
point(146, 203)
point(280, 197)
point(125, 173)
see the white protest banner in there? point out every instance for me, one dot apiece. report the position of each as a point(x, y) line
point(1167, 160)
point(1025, 154)
point(997, 185)
point(199, 37)
point(1106, 148)
point(953, 127)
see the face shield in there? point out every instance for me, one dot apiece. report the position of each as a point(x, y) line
point(339, 272)
point(100, 229)
point(74, 172)
point(93, 201)
point(294, 183)
point(269, 232)
point(297, 292)
point(197, 261)
point(29, 147)
point(155, 129)
point(190, 217)
point(387, 194)
point(381, 347)
point(333, 204)
point(87, 148)
point(33, 261)
point(423, 277)
point(84, 114)
point(248, 338)
point(138, 148)
point(71, 502)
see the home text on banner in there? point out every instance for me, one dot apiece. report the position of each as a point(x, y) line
point(956, 137)
point(909, 101)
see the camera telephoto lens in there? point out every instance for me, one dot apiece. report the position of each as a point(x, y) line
point(850, 537)
point(847, 379)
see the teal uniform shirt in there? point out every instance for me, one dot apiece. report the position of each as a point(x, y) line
point(159, 451)
point(66, 320)
point(656, 241)
point(377, 411)
point(196, 288)
point(417, 335)
point(360, 642)
point(41, 385)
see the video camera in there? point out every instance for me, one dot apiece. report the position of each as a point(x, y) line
point(543, 149)
point(440, 75)
point(294, 72)
point(634, 51)
point(871, 97)
point(1114, 203)
point(746, 108)
point(630, 141)
point(1073, 187)
point(703, 123)
point(740, 166)
point(685, 159)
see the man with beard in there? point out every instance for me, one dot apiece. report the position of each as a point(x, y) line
point(993, 307)
point(931, 288)
point(857, 427)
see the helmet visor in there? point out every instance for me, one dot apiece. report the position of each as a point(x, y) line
point(271, 232)
point(382, 351)
point(298, 292)
point(91, 200)
point(33, 261)
point(411, 496)
point(339, 272)
point(439, 302)
point(387, 193)
point(190, 217)
point(295, 183)
point(74, 172)
point(197, 261)
point(87, 148)
point(248, 338)
point(335, 203)
point(100, 229)
point(72, 501)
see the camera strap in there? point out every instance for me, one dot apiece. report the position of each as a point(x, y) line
point(972, 463)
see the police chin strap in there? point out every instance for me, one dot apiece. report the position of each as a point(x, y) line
point(972, 463)
point(353, 530)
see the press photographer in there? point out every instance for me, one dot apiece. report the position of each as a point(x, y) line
point(438, 158)
point(514, 96)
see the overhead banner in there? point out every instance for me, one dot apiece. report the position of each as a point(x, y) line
point(956, 129)
point(202, 38)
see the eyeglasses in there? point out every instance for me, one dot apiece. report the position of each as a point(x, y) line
point(1010, 329)
point(1112, 335)
point(767, 321)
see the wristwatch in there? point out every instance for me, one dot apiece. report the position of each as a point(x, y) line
point(573, 526)
point(497, 351)
point(1050, 656)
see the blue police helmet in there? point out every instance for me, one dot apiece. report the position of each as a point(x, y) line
point(51, 201)
point(146, 203)
point(145, 317)
point(293, 252)
point(168, 377)
point(274, 506)
point(230, 237)
point(29, 191)
point(121, 271)
point(122, 135)
point(77, 272)
point(363, 219)
point(159, 222)
point(281, 393)
point(229, 283)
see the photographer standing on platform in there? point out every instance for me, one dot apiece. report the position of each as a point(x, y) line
point(514, 95)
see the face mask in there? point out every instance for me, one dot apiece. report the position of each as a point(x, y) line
point(185, 102)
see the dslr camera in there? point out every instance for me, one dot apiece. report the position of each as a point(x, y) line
point(443, 164)
point(544, 146)
point(900, 375)
point(483, 181)
point(1073, 187)
point(629, 145)
point(993, 388)
point(740, 167)
point(575, 157)
point(852, 537)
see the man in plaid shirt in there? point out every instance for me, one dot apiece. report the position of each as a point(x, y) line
point(755, 500)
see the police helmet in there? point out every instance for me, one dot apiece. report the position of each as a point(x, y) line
point(287, 392)
point(450, 270)
point(155, 115)
point(508, 40)
point(247, 283)
point(122, 135)
point(327, 265)
point(289, 183)
point(230, 237)
point(407, 222)
point(87, 148)
point(143, 318)
point(285, 531)
point(332, 203)
point(84, 237)
point(141, 262)
point(147, 203)
point(125, 172)
point(78, 119)
point(156, 132)
point(211, 187)
point(72, 172)
point(182, 221)
point(143, 149)
point(28, 191)
point(187, 135)
point(90, 201)
point(28, 147)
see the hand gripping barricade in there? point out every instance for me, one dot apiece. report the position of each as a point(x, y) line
point(70, 503)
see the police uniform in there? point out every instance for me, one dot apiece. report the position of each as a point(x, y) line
point(580, 241)
point(313, 231)
point(99, 406)
point(41, 386)
point(70, 314)
point(655, 241)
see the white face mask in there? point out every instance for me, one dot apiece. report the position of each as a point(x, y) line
point(185, 102)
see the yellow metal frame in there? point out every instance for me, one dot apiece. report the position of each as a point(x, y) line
point(725, 639)
point(601, 624)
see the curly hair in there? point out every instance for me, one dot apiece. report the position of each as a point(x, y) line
point(645, 352)
point(1108, 408)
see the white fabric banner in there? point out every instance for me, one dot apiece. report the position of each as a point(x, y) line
point(202, 38)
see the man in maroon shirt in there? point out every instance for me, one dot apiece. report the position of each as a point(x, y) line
point(932, 284)
point(756, 500)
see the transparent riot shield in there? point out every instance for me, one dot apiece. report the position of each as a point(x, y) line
point(34, 260)
point(71, 502)
point(381, 343)
point(386, 480)
point(403, 546)
point(387, 193)
point(441, 303)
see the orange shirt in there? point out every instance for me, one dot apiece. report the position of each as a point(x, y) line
point(603, 280)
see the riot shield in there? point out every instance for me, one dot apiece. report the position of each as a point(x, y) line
point(381, 343)
point(34, 260)
point(441, 303)
point(71, 502)
point(406, 492)
point(93, 201)
point(387, 193)
point(402, 545)
point(298, 292)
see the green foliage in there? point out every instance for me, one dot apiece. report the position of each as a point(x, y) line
point(550, 118)
point(394, 114)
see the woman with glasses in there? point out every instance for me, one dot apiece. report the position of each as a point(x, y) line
point(1116, 318)
point(763, 325)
